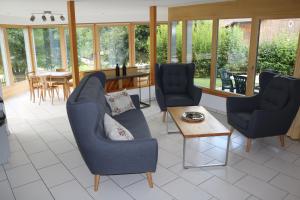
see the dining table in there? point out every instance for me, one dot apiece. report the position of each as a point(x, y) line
point(61, 78)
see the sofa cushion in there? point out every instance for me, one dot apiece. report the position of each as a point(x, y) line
point(119, 102)
point(114, 130)
point(178, 100)
point(241, 119)
point(275, 95)
point(135, 122)
point(174, 79)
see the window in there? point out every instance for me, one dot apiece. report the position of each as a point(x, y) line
point(85, 48)
point(2, 74)
point(114, 46)
point(162, 43)
point(17, 53)
point(47, 49)
point(142, 46)
point(176, 42)
point(199, 40)
point(233, 50)
point(278, 41)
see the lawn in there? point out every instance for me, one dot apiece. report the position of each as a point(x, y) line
point(205, 82)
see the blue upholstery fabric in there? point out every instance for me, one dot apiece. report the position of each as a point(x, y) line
point(85, 108)
point(270, 99)
point(173, 100)
point(174, 85)
point(174, 79)
point(270, 112)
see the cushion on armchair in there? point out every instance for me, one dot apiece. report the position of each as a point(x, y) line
point(275, 95)
point(174, 79)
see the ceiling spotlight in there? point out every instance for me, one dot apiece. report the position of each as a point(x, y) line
point(32, 18)
point(62, 18)
point(52, 18)
point(44, 18)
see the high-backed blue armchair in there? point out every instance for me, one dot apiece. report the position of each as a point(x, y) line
point(270, 112)
point(174, 86)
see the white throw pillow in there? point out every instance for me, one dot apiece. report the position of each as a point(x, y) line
point(114, 130)
point(119, 102)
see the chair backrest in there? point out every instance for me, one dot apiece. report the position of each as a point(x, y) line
point(225, 77)
point(60, 70)
point(175, 78)
point(240, 84)
point(264, 79)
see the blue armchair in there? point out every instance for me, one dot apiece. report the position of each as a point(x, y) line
point(174, 86)
point(270, 112)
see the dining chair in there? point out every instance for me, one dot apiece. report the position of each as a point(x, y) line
point(69, 84)
point(240, 84)
point(34, 85)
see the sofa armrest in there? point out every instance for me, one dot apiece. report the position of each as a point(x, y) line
point(160, 98)
point(196, 93)
point(242, 104)
point(123, 157)
point(135, 100)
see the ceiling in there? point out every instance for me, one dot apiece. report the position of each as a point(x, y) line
point(89, 11)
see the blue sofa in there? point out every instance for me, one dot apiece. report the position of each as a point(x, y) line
point(86, 107)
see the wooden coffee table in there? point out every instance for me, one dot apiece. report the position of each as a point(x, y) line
point(210, 127)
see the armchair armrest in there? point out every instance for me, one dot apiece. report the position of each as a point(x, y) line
point(135, 100)
point(122, 157)
point(160, 98)
point(196, 93)
point(242, 104)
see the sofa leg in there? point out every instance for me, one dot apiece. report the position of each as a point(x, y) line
point(96, 182)
point(164, 116)
point(281, 139)
point(248, 145)
point(149, 179)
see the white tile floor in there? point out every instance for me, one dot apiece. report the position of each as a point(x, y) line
point(46, 164)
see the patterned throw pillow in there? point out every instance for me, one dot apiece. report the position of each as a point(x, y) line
point(119, 102)
point(114, 130)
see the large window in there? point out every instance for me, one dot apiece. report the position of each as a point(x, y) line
point(47, 48)
point(114, 46)
point(162, 43)
point(199, 40)
point(85, 48)
point(176, 42)
point(278, 41)
point(17, 53)
point(142, 44)
point(233, 50)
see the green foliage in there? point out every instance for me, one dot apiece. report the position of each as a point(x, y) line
point(142, 35)
point(85, 47)
point(179, 42)
point(162, 43)
point(232, 49)
point(201, 47)
point(17, 52)
point(278, 54)
point(114, 45)
point(47, 48)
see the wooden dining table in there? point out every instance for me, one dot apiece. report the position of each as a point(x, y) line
point(62, 78)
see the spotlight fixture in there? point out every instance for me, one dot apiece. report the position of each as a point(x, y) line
point(32, 18)
point(46, 14)
point(44, 18)
point(52, 18)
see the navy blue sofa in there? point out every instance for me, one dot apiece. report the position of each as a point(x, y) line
point(86, 107)
point(270, 112)
point(174, 86)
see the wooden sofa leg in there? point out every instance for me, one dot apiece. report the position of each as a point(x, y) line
point(281, 139)
point(164, 116)
point(248, 145)
point(96, 182)
point(149, 179)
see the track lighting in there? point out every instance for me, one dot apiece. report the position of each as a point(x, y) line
point(49, 14)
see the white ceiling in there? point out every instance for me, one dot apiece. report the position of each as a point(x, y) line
point(88, 11)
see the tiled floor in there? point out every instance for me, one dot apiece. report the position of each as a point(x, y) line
point(46, 164)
